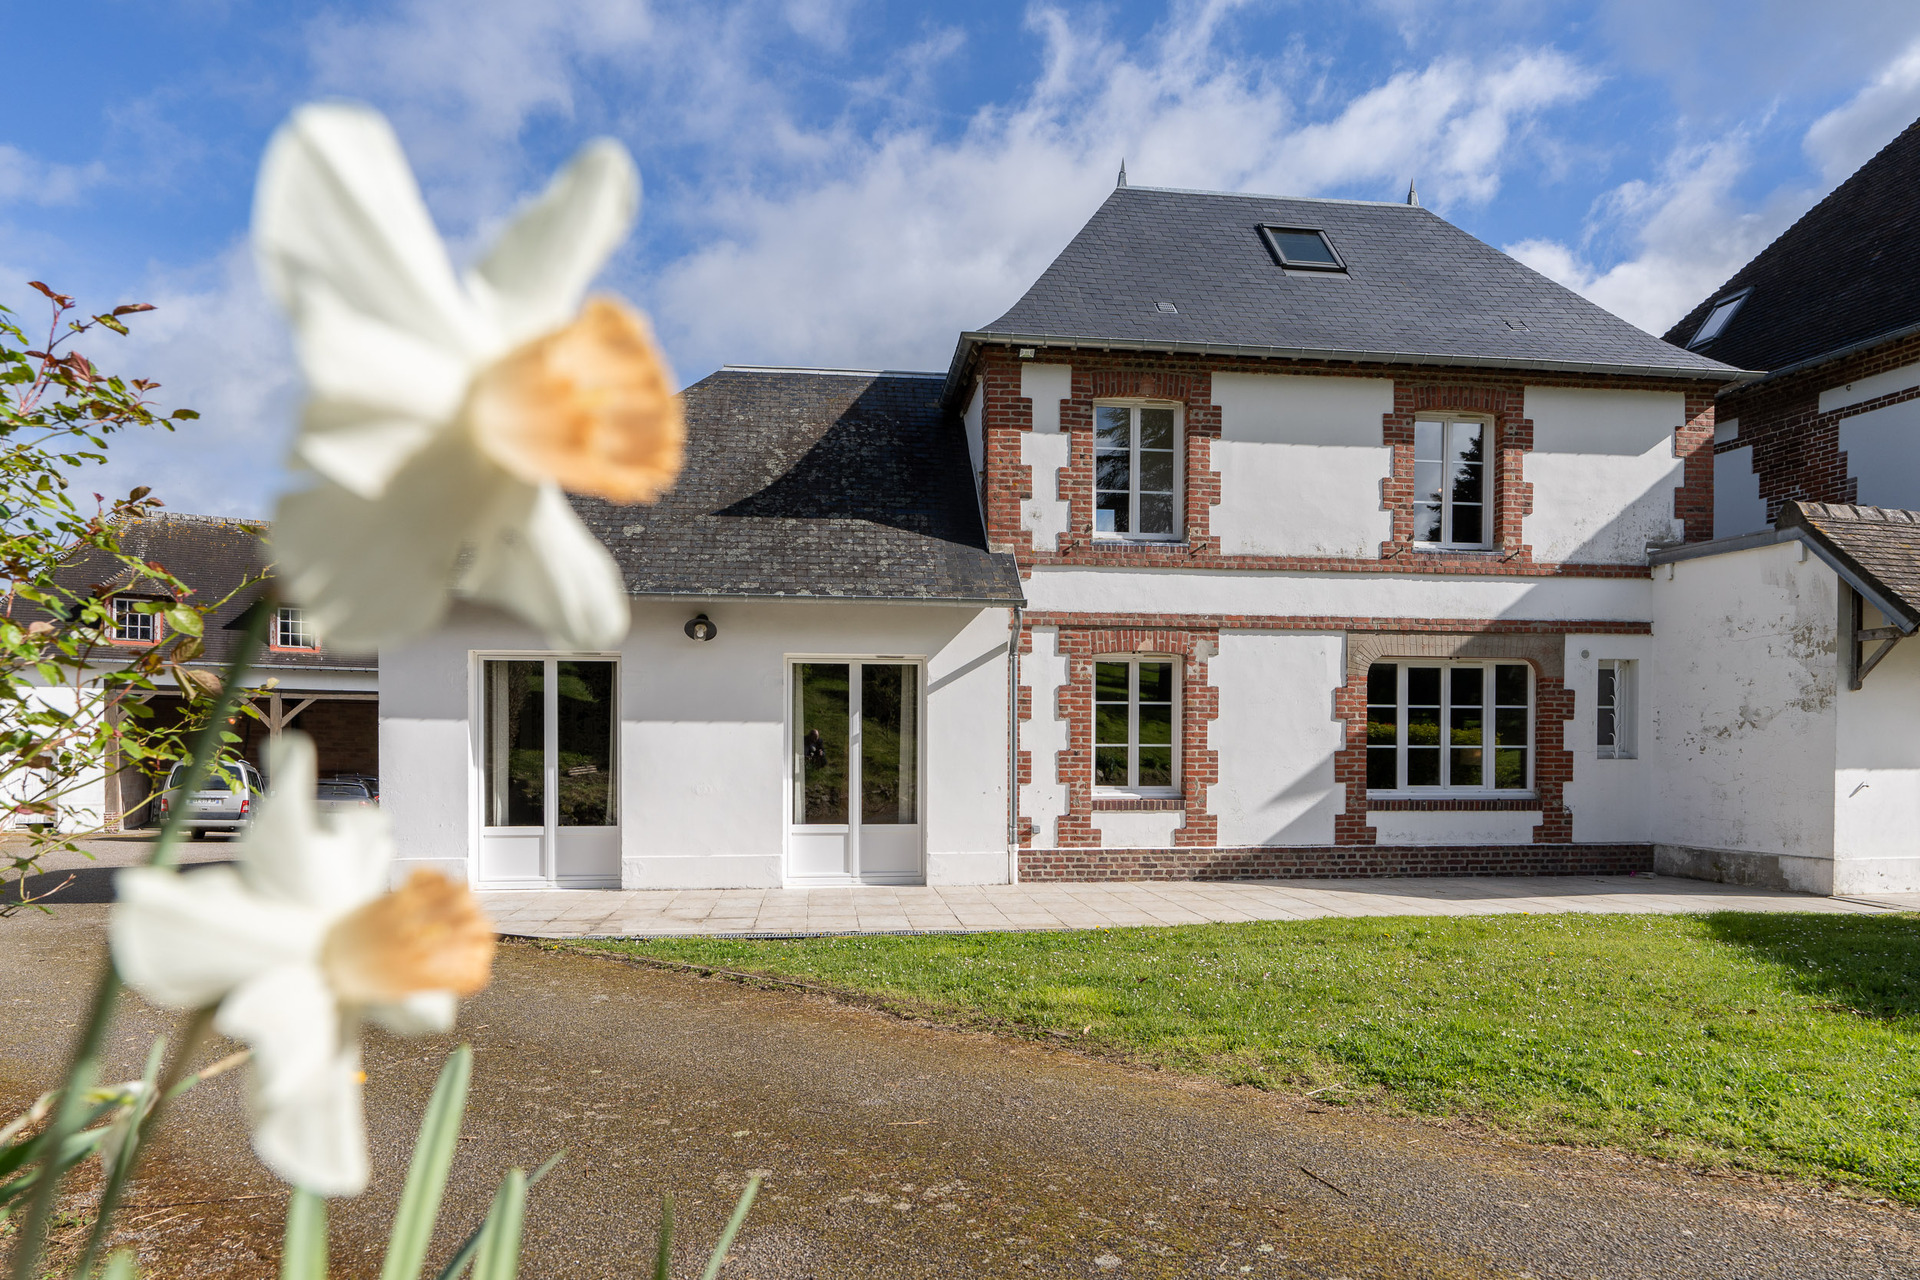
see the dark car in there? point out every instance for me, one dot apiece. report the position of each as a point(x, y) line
point(344, 793)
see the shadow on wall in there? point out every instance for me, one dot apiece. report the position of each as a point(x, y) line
point(1867, 964)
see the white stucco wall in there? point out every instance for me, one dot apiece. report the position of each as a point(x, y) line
point(1883, 455)
point(1276, 737)
point(1125, 829)
point(1044, 800)
point(1876, 781)
point(1046, 385)
point(1609, 797)
point(1603, 473)
point(974, 421)
point(1336, 595)
point(1301, 465)
point(1737, 505)
point(1742, 688)
point(1046, 514)
point(702, 738)
point(1870, 388)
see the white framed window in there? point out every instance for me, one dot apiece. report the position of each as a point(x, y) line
point(1136, 741)
point(1449, 726)
point(131, 626)
point(1613, 710)
point(1450, 483)
point(290, 629)
point(1136, 472)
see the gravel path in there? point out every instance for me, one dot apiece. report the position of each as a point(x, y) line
point(893, 1149)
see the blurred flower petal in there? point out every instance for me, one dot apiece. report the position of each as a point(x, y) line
point(541, 560)
point(184, 941)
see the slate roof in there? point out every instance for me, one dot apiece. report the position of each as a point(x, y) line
point(1878, 544)
point(814, 485)
point(211, 554)
point(1840, 278)
point(1417, 289)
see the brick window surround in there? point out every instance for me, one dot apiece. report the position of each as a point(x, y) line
point(1552, 706)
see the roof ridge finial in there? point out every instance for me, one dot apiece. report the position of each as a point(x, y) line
point(1122, 181)
point(1413, 193)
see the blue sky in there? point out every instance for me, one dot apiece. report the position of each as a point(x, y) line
point(831, 182)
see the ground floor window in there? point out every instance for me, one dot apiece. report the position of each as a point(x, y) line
point(550, 726)
point(1613, 710)
point(857, 734)
point(1134, 725)
point(1462, 726)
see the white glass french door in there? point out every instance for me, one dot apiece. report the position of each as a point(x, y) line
point(856, 748)
point(550, 785)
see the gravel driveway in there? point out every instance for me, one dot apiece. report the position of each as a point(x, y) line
point(893, 1149)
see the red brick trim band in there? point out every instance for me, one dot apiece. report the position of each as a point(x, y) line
point(1139, 804)
point(1455, 804)
point(1208, 622)
point(1331, 862)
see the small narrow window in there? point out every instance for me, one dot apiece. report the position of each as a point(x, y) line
point(1613, 710)
point(131, 626)
point(290, 629)
point(1136, 472)
point(1717, 320)
point(1301, 249)
point(1459, 726)
point(1133, 725)
point(1449, 484)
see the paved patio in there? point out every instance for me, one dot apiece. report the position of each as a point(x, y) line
point(889, 909)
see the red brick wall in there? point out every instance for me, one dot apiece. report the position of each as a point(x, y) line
point(1333, 862)
point(1188, 381)
point(1796, 448)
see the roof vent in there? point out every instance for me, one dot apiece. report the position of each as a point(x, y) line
point(1518, 326)
point(1166, 308)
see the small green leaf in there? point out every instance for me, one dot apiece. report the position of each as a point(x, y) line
point(184, 619)
point(184, 415)
point(304, 1256)
point(719, 1258)
point(427, 1175)
point(499, 1254)
point(112, 324)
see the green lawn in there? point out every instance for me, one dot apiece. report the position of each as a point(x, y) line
point(1788, 1043)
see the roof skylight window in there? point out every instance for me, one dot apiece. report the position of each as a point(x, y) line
point(1301, 249)
point(1717, 319)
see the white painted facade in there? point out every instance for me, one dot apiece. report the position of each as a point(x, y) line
point(1277, 735)
point(704, 745)
point(1767, 767)
point(1603, 473)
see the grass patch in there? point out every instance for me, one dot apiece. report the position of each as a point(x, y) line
point(1784, 1043)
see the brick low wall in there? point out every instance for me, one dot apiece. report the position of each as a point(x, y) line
point(1343, 862)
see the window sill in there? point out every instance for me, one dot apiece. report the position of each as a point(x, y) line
point(1428, 801)
point(1131, 802)
point(1121, 540)
point(1456, 549)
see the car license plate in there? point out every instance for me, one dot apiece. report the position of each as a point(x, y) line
point(209, 802)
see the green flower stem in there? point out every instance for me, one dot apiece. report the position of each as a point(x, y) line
point(191, 1038)
point(84, 1070)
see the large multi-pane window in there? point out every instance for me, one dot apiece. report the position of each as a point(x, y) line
point(1455, 726)
point(1133, 724)
point(1450, 484)
point(1136, 472)
point(1613, 710)
point(131, 626)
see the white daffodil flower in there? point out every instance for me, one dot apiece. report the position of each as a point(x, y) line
point(296, 947)
point(447, 413)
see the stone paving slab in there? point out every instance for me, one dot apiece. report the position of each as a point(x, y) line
point(586, 913)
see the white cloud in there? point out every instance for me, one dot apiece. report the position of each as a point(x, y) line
point(1849, 135)
point(216, 345)
point(26, 179)
point(1686, 233)
point(879, 249)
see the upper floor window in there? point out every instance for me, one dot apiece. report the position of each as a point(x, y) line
point(1717, 319)
point(1462, 726)
point(290, 630)
point(1613, 710)
point(1450, 483)
point(1133, 724)
point(131, 626)
point(1136, 460)
point(1302, 249)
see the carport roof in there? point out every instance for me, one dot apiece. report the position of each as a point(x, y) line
point(813, 484)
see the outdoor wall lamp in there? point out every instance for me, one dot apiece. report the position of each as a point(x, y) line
point(701, 628)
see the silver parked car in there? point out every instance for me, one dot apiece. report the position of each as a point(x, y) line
point(226, 800)
point(346, 792)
